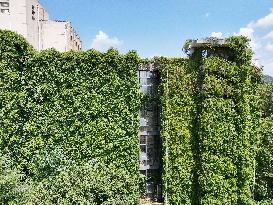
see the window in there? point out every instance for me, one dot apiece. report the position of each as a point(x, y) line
point(4, 4)
point(142, 139)
point(5, 11)
point(33, 12)
point(143, 149)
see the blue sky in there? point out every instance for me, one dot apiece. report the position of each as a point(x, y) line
point(160, 27)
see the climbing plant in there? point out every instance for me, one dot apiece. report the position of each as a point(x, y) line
point(83, 103)
point(67, 119)
point(263, 189)
point(210, 110)
point(176, 124)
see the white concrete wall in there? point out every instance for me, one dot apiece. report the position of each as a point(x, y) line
point(32, 23)
point(54, 35)
point(18, 16)
point(73, 40)
point(21, 19)
point(15, 20)
point(40, 33)
point(60, 35)
point(4, 17)
point(5, 22)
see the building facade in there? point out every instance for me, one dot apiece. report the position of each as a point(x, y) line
point(30, 19)
point(60, 35)
point(149, 135)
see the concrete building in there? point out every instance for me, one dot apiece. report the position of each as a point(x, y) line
point(60, 34)
point(30, 19)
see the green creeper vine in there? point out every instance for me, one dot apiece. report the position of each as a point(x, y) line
point(67, 118)
point(85, 104)
point(211, 118)
point(177, 105)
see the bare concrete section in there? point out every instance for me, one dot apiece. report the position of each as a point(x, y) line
point(208, 41)
point(60, 34)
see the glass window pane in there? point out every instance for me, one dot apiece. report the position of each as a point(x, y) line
point(143, 149)
point(143, 139)
point(143, 81)
point(5, 11)
point(4, 4)
point(143, 129)
point(142, 74)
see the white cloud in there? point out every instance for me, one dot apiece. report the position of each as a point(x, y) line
point(260, 32)
point(216, 34)
point(269, 35)
point(263, 22)
point(269, 47)
point(245, 31)
point(102, 42)
point(257, 63)
point(249, 32)
point(268, 68)
point(269, 65)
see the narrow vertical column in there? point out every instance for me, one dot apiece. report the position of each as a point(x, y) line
point(150, 146)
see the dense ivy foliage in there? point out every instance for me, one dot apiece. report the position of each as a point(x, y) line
point(176, 126)
point(12, 188)
point(249, 117)
point(217, 134)
point(85, 104)
point(264, 160)
point(210, 125)
point(69, 126)
point(93, 182)
point(264, 163)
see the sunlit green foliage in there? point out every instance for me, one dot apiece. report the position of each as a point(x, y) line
point(211, 125)
point(264, 160)
point(83, 103)
point(69, 126)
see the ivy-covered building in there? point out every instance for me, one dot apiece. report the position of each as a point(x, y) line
point(110, 128)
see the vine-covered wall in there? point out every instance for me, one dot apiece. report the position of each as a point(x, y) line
point(263, 189)
point(84, 107)
point(176, 125)
point(210, 125)
point(85, 104)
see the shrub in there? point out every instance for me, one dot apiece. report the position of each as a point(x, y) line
point(93, 182)
point(12, 187)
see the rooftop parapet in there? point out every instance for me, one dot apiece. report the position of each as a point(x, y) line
point(208, 42)
point(208, 47)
